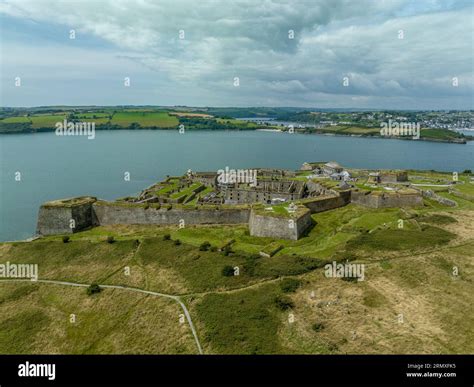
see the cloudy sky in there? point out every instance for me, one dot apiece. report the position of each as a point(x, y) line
point(399, 54)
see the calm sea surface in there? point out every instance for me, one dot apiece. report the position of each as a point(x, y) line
point(55, 167)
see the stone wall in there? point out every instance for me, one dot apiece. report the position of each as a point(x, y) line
point(279, 227)
point(385, 200)
point(433, 196)
point(325, 203)
point(109, 214)
point(394, 177)
point(461, 195)
point(56, 219)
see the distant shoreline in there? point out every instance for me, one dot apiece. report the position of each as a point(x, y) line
point(461, 141)
point(279, 120)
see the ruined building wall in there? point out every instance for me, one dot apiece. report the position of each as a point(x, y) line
point(242, 196)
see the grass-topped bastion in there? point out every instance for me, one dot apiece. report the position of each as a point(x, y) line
point(282, 222)
point(66, 216)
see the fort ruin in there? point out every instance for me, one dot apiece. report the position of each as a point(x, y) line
point(277, 203)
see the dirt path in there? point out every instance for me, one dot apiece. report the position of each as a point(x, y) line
point(175, 298)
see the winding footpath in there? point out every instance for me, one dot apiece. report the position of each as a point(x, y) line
point(175, 298)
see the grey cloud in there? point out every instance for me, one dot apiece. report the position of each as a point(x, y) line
point(249, 39)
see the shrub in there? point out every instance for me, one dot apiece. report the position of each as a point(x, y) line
point(467, 171)
point(205, 246)
point(438, 219)
point(289, 285)
point(177, 242)
point(110, 239)
point(317, 327)
point(284, 302)
point(66, 239)
point(227, 243)
point(146, 207)
point(350, 279)
point(166, 237)
point(250, 264)
point(93, 289)
point(226, 251)
point(227, 271)
point(213, 248)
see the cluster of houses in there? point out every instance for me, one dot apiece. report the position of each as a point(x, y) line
point(331, 170)
point(334, 171)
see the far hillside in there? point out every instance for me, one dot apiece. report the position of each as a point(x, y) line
point(435, 126)
point(116, 119)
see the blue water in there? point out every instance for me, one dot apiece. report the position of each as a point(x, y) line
point(55, 167)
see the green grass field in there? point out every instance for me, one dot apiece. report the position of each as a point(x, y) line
point(242, 123)
point(15, 120)
point(187, 191)
point(93, 115)
point(46, 121)
point(145, 119)
point(439, 134)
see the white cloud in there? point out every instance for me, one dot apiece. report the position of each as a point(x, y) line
point(249, 39)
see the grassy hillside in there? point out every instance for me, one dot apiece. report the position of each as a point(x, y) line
point(26, 120)
point(408, 273)
point(36, 319)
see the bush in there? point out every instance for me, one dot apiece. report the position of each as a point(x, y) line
point(250, 265)
point(289, 285)
point(350, 279)
point(205, 246)
point(93, 289)
point(213, 248)
point(177, 242)
point(166, 237)
point(284, 302)
point(226, 251)
point(317, 327)
point(66, 239)
point(146, 207)
point(110, 239)
point(227, 271)
point(467, 171)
